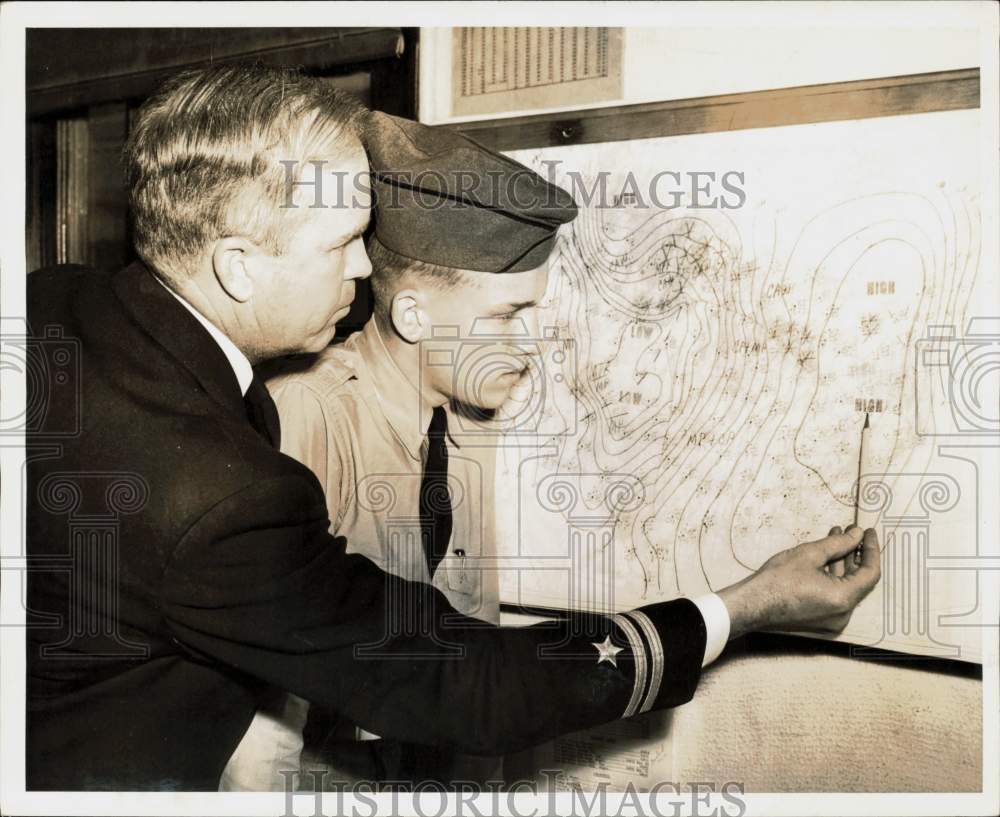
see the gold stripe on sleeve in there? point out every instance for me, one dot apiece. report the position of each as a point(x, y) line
point(638, 657)
point(656, 657)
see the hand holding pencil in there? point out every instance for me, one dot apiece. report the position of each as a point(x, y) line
point(814, 586)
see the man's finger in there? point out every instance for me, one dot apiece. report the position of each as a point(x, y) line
point(834, 531)
point(839, 545)
point(852, 561)
point(871, 557)
point(869, 571)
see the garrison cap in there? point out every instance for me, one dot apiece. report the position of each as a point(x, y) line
point(443, 199)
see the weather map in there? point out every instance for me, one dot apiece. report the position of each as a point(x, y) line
point(707, 369)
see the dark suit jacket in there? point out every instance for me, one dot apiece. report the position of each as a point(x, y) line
point(179, 565)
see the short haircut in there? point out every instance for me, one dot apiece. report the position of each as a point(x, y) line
point(391, 272)
point(204, 158)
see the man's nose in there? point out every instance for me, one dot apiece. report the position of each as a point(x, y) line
point(358, 265)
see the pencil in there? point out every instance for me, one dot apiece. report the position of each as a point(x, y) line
point(862, 465)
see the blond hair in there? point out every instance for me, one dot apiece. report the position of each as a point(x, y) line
point(208, 157)
point(391, 272)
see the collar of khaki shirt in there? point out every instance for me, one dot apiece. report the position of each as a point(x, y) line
point(405, 410)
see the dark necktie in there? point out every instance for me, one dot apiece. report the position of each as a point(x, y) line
point(435, 501)
point(261, 412)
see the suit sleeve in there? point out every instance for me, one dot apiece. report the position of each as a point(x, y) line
point(258, 584)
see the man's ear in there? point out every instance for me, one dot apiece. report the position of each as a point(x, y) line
point(407, 315)
point(230, 262)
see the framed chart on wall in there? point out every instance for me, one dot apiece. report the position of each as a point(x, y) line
point(748, 278)
point(497, 69)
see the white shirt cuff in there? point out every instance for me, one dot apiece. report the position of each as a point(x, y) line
point(713, 610)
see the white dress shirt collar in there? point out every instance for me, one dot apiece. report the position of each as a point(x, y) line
point(241, 366)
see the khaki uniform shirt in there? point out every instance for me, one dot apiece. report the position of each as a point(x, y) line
point(359, 424)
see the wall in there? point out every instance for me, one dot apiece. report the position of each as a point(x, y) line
point(695, 60)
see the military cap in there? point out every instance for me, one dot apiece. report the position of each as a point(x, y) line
point(444, 199)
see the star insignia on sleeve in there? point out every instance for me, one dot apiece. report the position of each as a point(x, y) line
point(606, 651)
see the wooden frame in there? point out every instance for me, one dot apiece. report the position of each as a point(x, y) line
point(137, 68)
point(862, 99)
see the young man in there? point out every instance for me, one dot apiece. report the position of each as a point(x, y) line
point(459, 254)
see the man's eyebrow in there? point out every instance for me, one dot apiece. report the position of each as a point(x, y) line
point(355, 234)
point(514, 307)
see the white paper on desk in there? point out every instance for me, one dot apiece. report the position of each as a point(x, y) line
point(637, 752)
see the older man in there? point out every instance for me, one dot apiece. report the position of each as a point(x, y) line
point(182, 566)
